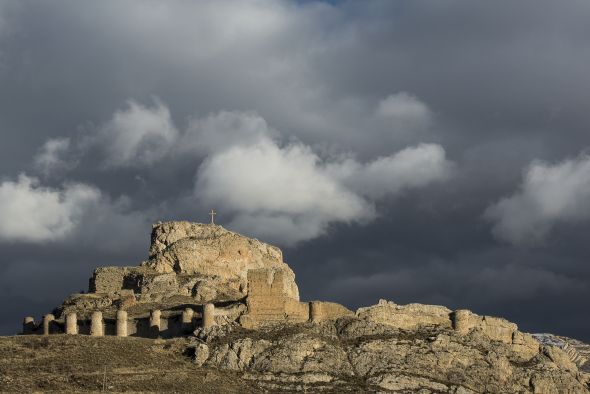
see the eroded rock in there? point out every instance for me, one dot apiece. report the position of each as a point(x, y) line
point(220, 256)
point(357, 354)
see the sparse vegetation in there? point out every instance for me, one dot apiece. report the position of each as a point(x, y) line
point(77, 363)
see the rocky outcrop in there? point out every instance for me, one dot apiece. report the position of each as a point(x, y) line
point(357, 354)
point(577, 351)
point(409, 316)
point(243, 301)
point(188, 264)
point(218, 256)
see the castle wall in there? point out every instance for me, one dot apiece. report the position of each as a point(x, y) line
point(107, 279)
point(268, 303)
point(322, 310)
point(295, 311)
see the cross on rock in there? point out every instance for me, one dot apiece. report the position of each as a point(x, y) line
point(212, 213)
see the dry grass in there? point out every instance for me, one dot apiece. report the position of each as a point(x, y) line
point(81, 363)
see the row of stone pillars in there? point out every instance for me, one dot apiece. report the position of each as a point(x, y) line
point(97, 323)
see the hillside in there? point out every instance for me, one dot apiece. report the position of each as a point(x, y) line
point(211, 310)
point(347, 355)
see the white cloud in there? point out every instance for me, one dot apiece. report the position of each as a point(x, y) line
point(53, 156)
point(272, 188)
point(136, 136)
point(290, 194)
point(285, 192)
point(411, 167)
point(34, 213)
point(549, 194)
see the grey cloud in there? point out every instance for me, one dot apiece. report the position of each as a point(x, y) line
point(220, 131)
point(285, 193)
point(497, 84)
point(550, 194)
point(135, 136)
point(53, 157)
point(289, 194)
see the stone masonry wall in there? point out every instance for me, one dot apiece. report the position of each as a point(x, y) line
point(321, 310)
point(267, 302)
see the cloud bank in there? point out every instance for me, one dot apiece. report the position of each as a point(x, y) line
point(549, 195)
point(283, 191)
point(369, 98)
point(33, 213)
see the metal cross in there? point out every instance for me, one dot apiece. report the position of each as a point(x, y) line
point(212, 213)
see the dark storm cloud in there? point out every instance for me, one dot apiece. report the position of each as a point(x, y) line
point(331, 88)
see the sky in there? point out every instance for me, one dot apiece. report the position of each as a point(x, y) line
point(417, 151)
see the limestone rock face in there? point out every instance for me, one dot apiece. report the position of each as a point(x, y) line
point(356, 354)
point(218, 256)
point(406, 316)
point(578, 352)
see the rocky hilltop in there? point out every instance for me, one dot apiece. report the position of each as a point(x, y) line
point(229, 303)
point(188, 263)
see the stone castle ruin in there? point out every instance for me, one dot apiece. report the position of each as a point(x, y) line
point(202, 275)
point(196, 275)
point(237, 303)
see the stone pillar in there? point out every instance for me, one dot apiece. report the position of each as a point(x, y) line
point(72, 323)
point(96, 324)
point(47, 319)
point(461, 321)
point(121, 323)
point(28, 325)
point(208, 315)
point(187, 320)
point(314, 312)
point(155, 316)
